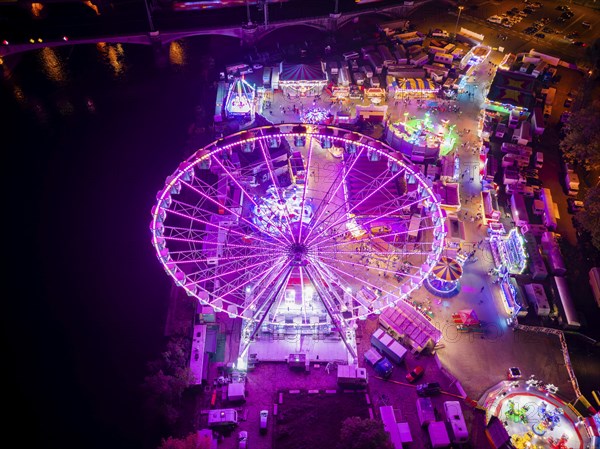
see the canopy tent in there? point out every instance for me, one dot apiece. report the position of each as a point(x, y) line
point(466, 317)
point(417, 84)
point(415, 87)
point(302, 79)
point(513, 89)
point(302, 72)
point(447, 269)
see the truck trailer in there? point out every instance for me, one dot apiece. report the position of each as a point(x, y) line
point(351, 376)
point(388, 346)
point(382, 366)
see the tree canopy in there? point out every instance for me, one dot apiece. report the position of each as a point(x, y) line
point(189, 442)
point(581, 143)
point(589, 217)
point(358, 433)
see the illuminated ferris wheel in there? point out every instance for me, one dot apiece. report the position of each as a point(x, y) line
point(298, 225)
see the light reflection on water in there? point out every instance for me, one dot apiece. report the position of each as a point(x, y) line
point(52, 65)
point(114, 56)
point(177, 53)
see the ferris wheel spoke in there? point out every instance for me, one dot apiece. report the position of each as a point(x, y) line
point(250, 197)
point(359, 278)
point(219, 205)
point(240, 283)
point(235, 268)
point(277, 189)
point(381, 183)
point(331, 192)
point(306, 180)
point(272, 288)
point(232, 286)
point(375, 262)
point(228, 229)
point(325, 238)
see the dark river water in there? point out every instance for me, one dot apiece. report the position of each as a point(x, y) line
point(89, 134)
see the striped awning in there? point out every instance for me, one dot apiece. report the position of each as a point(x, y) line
point(447, 269)
point(417, 84)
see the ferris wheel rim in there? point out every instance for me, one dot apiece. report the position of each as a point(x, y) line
point(285, 130)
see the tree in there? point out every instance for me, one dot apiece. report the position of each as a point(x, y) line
point(189, 442)
point(581, 143)
point(592, 54)
point(358, 433)
point(589, 217)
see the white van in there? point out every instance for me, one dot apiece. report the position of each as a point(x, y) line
point(454, 417)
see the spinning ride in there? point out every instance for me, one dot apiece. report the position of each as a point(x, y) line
point(444, 278)
point(267, 225)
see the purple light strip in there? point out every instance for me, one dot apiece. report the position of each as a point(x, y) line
point(252, 225)
point(250, 197)
point(172, 238)
point(331, 279)
point(392, 272)
point(384, 183)
point(268, 162)
point(337, 187)
point(262, 275)
point(302, 293)
point(221, 275)
point(207, 223)
point(284, 267)
point(331, 237)
point(302, 202)
point(361, 280)
point(368, 240)
point(336, 317)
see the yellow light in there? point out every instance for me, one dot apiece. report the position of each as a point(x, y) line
point(32, 41)
point(36, 9)
point(40, 40)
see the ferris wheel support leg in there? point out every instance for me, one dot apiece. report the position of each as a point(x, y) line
point(342, 325)
point(283, 280)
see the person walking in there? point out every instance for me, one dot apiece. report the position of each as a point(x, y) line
point(482, 288)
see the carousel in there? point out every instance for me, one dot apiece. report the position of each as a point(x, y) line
point(426, 136)
point(444, 278)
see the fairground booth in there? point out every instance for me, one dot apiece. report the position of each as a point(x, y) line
point(512, 94)
point(415, 88)
point(421, 140)
point(302, 80)
point(240, 101)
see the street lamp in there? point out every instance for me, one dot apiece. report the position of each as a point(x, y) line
point(149, 16)
point(460, 8)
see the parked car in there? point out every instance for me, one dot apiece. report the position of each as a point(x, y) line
point(562, 8)
point(243, 440)
point(429, 389)
point(264, 421)
point(574, 205)
point(568, 102)
point(540, 35)
point(572, 35)
point(415, 374)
